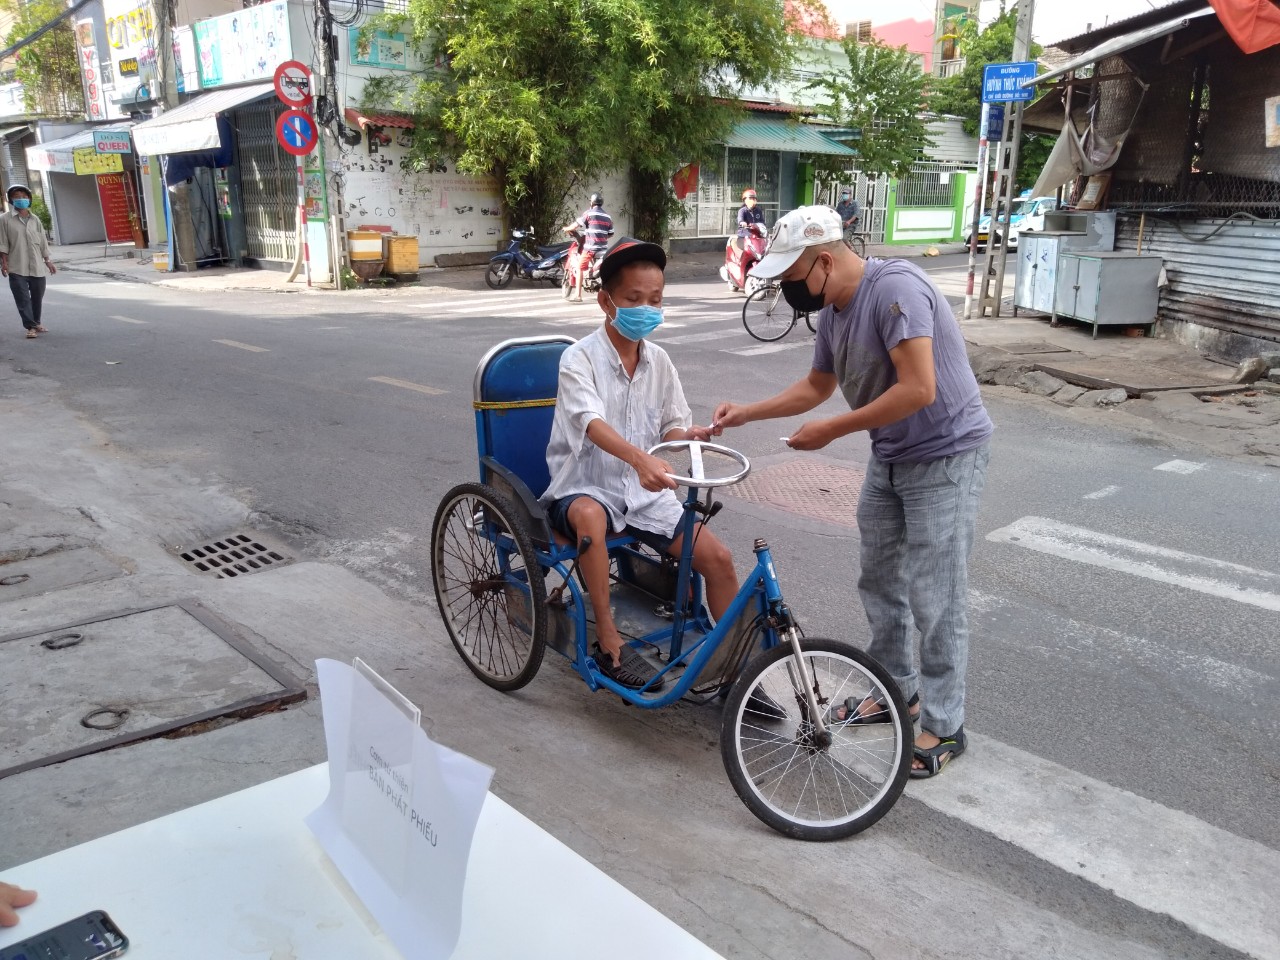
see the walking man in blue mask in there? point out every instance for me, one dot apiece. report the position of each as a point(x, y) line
point(618, 396)
point(889, 340)
point(24, 258)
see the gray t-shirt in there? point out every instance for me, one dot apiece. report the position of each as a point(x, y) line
point(897, 301)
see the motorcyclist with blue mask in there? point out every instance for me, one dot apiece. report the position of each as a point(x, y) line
point(618, 396)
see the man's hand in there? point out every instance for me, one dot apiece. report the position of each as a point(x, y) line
point(702, 434)
point(652, 472)
point(813, 435)
point(10, 897)
point(728, 415)
point(52, 268)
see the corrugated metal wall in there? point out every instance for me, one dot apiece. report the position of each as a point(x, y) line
point(1228, 281)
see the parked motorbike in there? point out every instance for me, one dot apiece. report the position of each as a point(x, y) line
point(547, 263)
point(740, 255)
point(587, 281)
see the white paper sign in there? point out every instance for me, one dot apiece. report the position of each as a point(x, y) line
point(401, 811)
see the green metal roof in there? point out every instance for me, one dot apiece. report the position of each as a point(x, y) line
point(764, 133)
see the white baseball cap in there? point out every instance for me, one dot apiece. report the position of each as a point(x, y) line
point(802, 227)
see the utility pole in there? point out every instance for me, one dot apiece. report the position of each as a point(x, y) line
point(1007, 163)
point(182, 231)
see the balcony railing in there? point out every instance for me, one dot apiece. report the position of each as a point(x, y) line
point(950, 68)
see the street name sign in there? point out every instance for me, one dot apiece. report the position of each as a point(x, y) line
point(1002, 82)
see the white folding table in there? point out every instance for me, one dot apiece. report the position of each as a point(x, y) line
point(243, 876)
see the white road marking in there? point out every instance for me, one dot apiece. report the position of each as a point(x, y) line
point(409, 385)
point(1180, 466)
point(1104, 492)
point(333, 328)
point(243, 346)
point(1218, 578)
point(507, 303)
point(1163, 860)
point(769, 348)
point(700, 337)
point(127, 319)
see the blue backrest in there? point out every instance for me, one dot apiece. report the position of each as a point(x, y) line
point(515, 392)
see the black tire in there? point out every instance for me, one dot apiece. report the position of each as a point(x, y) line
point(489, 586)
point(566, 283)
point(808, 319)
point(797, 785)
point(766, 315)
point(858, 244)
point(499, 274)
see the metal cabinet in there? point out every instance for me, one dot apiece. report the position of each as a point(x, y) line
point(1117, 288)
point(1038, 255)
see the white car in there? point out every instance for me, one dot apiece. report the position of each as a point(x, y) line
point(1028, 214)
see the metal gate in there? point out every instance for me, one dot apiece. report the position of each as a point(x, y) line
point(872, 194)
point(268, 183)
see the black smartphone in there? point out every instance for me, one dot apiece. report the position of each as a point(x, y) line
point(91, 937)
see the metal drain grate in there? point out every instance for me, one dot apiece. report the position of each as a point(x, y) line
point(236, 555)
point(823, 491)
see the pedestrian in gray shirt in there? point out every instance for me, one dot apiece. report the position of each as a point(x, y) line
point(888, 339)
point(24, 258)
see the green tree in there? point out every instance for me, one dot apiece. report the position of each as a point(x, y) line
point(48, 68)
point(547, 96)
point(961, 95)
point(880, 96)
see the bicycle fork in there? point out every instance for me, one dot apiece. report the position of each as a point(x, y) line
point(797, 669)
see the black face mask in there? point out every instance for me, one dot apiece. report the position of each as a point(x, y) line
point(800, 297)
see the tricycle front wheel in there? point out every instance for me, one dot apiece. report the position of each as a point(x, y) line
point(805, 785)
point(489, 586)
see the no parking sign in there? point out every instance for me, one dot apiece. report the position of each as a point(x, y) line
point(296, 131)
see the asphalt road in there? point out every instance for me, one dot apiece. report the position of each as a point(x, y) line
point(1126, 595)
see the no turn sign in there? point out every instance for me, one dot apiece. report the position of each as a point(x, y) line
point(296, 132)
point(293, 83)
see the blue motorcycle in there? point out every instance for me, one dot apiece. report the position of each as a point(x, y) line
point(514, 262)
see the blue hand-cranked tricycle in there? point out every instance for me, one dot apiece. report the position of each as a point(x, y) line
point(815, 736)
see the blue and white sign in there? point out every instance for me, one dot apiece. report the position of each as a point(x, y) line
point(995, 121)
point(1002, 82)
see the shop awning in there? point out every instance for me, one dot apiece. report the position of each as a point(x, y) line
point(193, 127)
point(1117, 45)
point(8, 132)
point(363, 120)
point(763, 133)
point(58, 156)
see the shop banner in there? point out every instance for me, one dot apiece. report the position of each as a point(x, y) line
point(186, 63)
point(379, 49)
point(401, 811)
point(95, 99)
point(131, 33)
point(87, 160)
point(242, 46)
point(117, 218)
point(112, 141)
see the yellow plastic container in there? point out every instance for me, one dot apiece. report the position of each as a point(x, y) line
point(364, 244)
point(160, 261)
point(402, 254)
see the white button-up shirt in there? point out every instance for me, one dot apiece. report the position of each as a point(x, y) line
point(642, 409)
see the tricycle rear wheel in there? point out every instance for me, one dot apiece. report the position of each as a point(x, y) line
point(796, 781)
point(489, 586)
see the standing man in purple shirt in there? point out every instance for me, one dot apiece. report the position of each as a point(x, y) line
point(889, 340)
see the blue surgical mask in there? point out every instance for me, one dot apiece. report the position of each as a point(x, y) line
point(636, 323)
point(22, 203)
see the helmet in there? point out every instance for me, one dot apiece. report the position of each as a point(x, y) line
point(17, 186)
point(749, 193)
point(597, 200)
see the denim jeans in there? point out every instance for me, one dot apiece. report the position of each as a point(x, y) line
point(28, 296)
point(917, 524)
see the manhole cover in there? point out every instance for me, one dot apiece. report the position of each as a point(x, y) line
point(53, 571)
point(1032, 346)
point(236, 555)
point(823, 491)
point(99, 684)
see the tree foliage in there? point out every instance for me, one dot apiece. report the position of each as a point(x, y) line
point(48, 68)
point(547, 96)
point(880, 96)
point(961, 95)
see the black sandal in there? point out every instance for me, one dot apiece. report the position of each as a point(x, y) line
point(935, 758)
point(632, 671)
point(852, 717)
